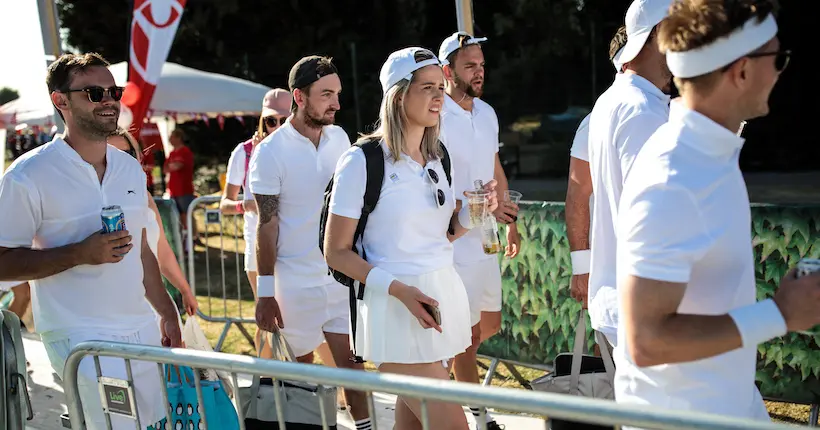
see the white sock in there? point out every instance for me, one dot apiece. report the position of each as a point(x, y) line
point(364, 424)
point(477, 413)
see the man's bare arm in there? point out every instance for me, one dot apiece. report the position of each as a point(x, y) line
point(579, 189)
point(657, 334)
point(267, 235)
point(25, 264)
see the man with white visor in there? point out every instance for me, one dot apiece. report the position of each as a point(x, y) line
point(469, 129)
point(690, 322)
point(623, 118)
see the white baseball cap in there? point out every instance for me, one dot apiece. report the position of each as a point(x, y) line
point(402, 63)
point(616, 60)
point(641, 17)
point(454, 42)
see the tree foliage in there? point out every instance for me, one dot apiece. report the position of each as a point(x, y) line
point(8, 94)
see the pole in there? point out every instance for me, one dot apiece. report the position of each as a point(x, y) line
point(52, 45)
point(464, 15)
point(355, 87)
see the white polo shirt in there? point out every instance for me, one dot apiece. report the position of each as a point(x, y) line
point(685, 218)
point(406, 234)
point(580, 143)
point(289, 165)
point(239, 176)
point(621, 121)
point(52, 198)
point(472, 141)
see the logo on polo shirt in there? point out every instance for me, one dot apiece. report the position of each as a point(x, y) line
point(394, 177)
point(131, 192)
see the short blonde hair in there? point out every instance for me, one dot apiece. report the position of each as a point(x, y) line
point(393, 121)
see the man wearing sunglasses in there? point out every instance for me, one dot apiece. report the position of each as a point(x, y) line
point(623, 118)
point(690, 321)
point(469, 129)
point(289, 172)
point(86, 284)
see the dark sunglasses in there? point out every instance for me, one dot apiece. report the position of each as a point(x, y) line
point(96, 94)
point(438, 194)
point(781, 58)
point(271, 121)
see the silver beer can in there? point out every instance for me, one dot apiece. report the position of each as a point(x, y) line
point(807, 266)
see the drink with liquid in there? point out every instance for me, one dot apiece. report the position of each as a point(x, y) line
point(113, 219)
point(489, 228)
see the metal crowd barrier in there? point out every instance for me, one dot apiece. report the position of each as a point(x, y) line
point(541, 404)
point(215, 217)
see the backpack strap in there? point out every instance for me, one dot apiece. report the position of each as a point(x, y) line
point(374, 162)
point(445, 162)
point(248, 146)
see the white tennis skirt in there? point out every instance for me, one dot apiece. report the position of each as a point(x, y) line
point(386, 332)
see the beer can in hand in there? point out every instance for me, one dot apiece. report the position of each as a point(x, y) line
point(113, 219)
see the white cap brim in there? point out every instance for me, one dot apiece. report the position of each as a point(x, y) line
point(472, 41)
point(634, 44)
point(616, 60)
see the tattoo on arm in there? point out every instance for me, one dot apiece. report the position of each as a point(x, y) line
point(268, 207)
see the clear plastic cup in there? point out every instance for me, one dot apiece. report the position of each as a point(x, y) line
point(478, 205)
point(512, 196)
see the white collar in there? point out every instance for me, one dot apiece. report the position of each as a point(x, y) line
point(702, 133)
point(641, 83)
point(67, 151)
point(450, 105)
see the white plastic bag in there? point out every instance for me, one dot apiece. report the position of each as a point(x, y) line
point(194, 338)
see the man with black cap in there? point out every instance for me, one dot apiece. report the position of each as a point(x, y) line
point(289, 172)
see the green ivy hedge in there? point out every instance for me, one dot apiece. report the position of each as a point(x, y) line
point(539, 316)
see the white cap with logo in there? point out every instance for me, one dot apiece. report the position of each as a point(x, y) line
point(456, 41)
point(402, 63)
point(641, 17)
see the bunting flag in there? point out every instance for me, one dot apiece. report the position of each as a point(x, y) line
point(221, 121)
point(153, 26)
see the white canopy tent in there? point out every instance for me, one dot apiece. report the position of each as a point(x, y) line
point(182, 93)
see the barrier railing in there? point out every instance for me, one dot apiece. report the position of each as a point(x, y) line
point(216, 217)
point(541, 404)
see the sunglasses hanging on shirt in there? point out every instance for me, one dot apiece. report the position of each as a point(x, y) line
point(438, 194)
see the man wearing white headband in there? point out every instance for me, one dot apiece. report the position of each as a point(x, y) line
point(579, 190)
point(623, 118)
point(469, 129)
point(690, 322)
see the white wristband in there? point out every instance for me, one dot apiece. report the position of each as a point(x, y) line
point(464, 216)
point(378, 281)
point(759, 322)
point(265, 286)
point(580, 261)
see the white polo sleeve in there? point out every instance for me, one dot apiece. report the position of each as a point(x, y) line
point(236, 166)
point(632, 134)
point(661, 234)
point(265, 176)
point(20, 200)
point(580, 143)
point(349, 184)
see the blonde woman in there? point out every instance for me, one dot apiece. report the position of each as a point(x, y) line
point(409, 255)
point(168, 264)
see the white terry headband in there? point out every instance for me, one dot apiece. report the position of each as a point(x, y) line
point(722, 52)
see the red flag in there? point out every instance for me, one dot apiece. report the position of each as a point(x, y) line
point(153, 26)
point(221, 121)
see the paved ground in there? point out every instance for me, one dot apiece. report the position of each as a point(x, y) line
point(48, 400)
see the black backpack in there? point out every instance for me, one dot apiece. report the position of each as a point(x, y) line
point(374, 162)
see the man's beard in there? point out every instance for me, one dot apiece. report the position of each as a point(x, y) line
point(91, 126)
point(314, 120)
point(467, 88)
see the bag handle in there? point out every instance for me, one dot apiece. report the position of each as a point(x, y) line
point(578, 351)
point(281, 349)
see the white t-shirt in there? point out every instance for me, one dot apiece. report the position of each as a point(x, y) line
point(406, 234)
point(472, 141)
point(685, 218)
point(289, 165)
point(56, 198)
point(238, 175)
point(580, 143)
point(621, 121)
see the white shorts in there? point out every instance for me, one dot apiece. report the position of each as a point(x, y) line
point(310, 312)
point(147, 379)
point(386, 332)
point(482, 280)
point(250, 255)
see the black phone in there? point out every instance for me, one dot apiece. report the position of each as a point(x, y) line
point(433, 311)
